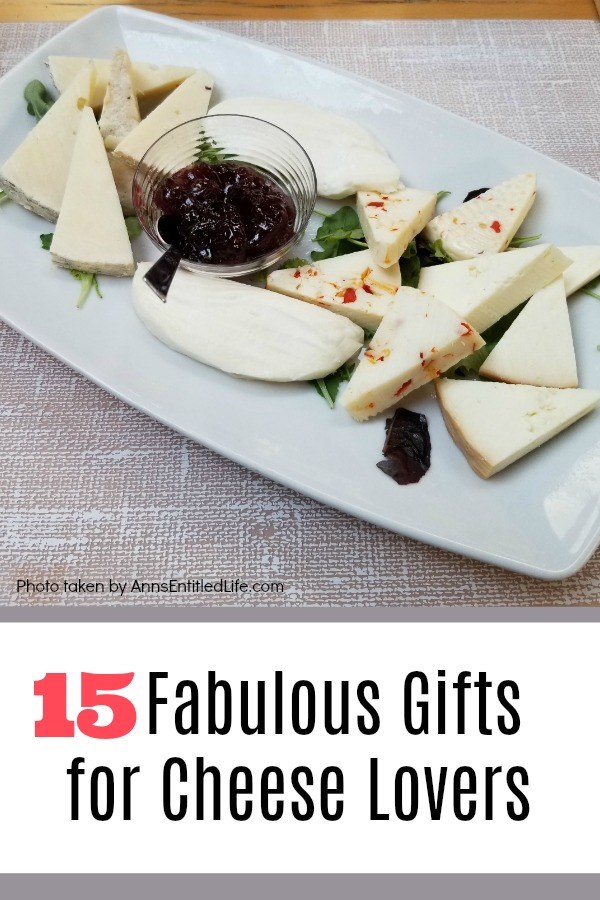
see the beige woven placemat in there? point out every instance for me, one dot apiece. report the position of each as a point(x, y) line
point(92, 489)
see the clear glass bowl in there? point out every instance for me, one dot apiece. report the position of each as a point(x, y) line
point(247, 140)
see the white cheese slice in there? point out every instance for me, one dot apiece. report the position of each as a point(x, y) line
point(486, 224)
point(36, 174)
point(391, 221)
point(485, 289)
point(585, 266)
point(353, 285)
point(538, 347)
point(347, 158)
point(495, 424)
point(189, 101)
point(244, 330)
point(120, 110)
point(90, 234)
point(418, 339)
point(150, 82)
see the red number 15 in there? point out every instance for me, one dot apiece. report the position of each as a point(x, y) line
point(54, 722)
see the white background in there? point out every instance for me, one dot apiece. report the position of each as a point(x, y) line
point(556, 666)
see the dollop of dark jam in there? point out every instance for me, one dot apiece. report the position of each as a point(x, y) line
point(407, 447)
point(223, 213)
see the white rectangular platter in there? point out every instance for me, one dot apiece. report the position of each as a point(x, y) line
point(540, 517)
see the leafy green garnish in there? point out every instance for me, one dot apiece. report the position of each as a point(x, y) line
point(208, 152)
point(295, 263)
point(470, 365)
point(525, 239)
point(38, 99)
point(338, 234)
point(442, 194)
point(88, 281)
point(329, 386)
point(133, 227)
point(3, 197)
point(410, 266)
point(46, 240)
point(433, 253)
point(369, 334)
point(590, 292)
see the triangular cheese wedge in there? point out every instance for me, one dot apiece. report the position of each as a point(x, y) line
point(585, 266)
point(485, 289)
point(90, 233)
point(353, 285)
point(390, 221)
point(538, 346)
point(418, 339)
point(486, 224)
point(496, 424)
point(150, 82)
point(120, 110)
point(36, 174)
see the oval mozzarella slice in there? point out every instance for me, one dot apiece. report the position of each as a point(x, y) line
point(245, 330)
point(347, 158)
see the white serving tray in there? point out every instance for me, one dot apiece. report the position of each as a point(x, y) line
point(540, 517)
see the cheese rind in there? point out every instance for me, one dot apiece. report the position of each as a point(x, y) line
point(485, 289)
point(244, 330)
point(90, 233)
point(538, 347)
point(496, 424)
point(584, 267)
point(189, 101)
point(36, 173)
point(352, 285)
point(486, 224)
point(391, 221)
point(418, 339)
point(347, 158)
point(120, 110)
point(150, 81)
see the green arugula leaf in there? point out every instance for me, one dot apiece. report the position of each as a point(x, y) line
point(133, 227)
point(525, 239)
point(442, 194)
point(338, 234)
point(46, 240)
point(369, 334)
point(295, 263)
point(433, 253)
point(207, 151)
point(38, 99)
point(591, 293)
point(410, 266)
point(329, 386)
point(88, 281)
point(470, 365)
point(3, 197)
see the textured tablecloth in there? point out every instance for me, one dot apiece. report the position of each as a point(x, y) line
point(90, 488)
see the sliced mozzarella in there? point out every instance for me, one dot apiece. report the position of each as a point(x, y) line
point(120, 110)
point(347, 158)
point(585, 266)
point(150, 82)
point(245, 330)
point(390, 221)
point(485, 289)
point(495, 424)
point(36, 174)
point(90, 234)
point(538, 347)
point(418, 339)
point(189, 101)
point(353, 285)
point(486, 224)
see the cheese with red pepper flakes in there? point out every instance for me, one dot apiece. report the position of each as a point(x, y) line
point(245, 330)
point(418, 339)
point(347, 158)
point(353, 285)
point(538, 346)
point(391, 221)
point(585, 266)
point(486, 224)
point(485, 289)
point(496, 424)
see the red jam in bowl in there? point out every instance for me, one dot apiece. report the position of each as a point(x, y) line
point(223, 213)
